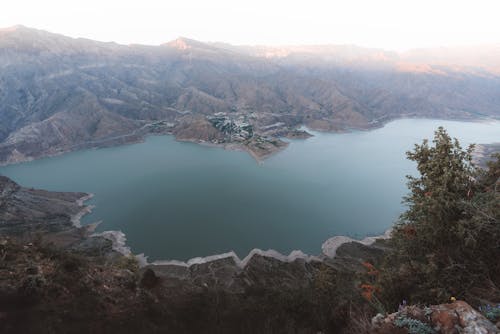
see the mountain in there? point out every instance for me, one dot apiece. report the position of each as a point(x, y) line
point(59, 94)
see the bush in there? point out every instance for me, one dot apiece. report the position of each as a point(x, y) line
point(414, 326)
point(492, 313)
point(128, 262)
point(447, 241)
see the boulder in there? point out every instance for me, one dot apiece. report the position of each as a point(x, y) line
point(454, 318)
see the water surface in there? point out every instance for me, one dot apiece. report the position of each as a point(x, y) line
point(180, 200)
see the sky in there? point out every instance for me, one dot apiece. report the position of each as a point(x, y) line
point(389, 24)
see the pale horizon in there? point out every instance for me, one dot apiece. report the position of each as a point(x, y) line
point(387, 24)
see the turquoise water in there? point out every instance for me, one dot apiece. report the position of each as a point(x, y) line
point(178, 200)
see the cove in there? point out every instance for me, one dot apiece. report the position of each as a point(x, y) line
point(178, 200)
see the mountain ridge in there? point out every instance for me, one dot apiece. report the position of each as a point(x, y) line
point(59, 94)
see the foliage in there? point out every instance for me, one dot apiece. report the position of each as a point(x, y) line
point(370, 290)
point(128, 262)
point(448, 240)
point(413, 326)
point(491, 312)
point(335, 297)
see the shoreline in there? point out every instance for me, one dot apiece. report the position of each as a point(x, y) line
point(329, 248)
point(118, 238)
point(119, 244)
point(234, 147)
point(137, 137)
point(86, 209)
point(241, 263)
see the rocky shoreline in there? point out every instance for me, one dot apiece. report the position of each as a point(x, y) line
point(54, 217)
point(259, 147)
point(68, 227)
point(233, 134)
point(329, 247)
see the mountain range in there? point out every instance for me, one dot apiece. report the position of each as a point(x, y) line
point(60, 94)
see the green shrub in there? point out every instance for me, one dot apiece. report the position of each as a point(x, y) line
point(447, 240)
point(492, 313)
point(413, 326)
point(129, 262)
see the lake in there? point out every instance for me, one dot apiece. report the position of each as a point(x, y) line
point(178, 200)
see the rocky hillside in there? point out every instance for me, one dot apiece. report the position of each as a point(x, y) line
point(31, 214)
point(59, 94)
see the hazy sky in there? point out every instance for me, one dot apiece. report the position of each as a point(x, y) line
point(391, 24)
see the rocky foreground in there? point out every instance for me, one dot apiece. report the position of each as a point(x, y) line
point(56, 277)
point(456, 317)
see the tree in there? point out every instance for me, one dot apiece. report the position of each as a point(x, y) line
point(444, 243)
